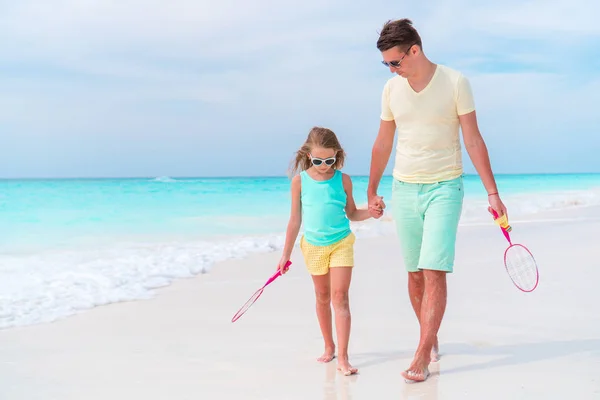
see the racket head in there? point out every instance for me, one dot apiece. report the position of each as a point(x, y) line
point(257, 294)
point(521, 267)
point(248, 304)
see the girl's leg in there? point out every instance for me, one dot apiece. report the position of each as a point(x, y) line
point(340, 284)
point(323, 296)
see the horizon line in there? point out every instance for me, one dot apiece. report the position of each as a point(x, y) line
point(257, 176)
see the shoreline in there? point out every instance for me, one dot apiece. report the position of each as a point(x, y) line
point(113, 279)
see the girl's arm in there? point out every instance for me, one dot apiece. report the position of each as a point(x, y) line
point(353, 213)
point(294, 223)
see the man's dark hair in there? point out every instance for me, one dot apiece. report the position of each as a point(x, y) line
point(398, 33)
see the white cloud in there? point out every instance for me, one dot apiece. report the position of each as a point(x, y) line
point(196, 28)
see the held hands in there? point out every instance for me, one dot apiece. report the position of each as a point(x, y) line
point(374, 213)
point(376, 206)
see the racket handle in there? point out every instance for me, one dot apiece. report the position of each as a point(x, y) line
point(503, 223)
point(278, 273)
point(286, 267)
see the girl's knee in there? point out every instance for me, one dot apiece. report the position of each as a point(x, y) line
point(323, 296)
point(340, 299)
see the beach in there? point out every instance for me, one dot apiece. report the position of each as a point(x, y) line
point(149, 179)
point(495, 342)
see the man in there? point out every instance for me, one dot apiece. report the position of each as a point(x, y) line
point(426, 103)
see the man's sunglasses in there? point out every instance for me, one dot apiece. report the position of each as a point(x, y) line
point(396, 64)
point(318, 161)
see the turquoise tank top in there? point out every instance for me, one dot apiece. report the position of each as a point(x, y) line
point(323, 209)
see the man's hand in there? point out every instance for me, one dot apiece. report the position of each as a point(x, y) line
point(376, 206)
point(497, 205)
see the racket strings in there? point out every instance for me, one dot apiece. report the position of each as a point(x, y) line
point(521, 267)
point(248, 304)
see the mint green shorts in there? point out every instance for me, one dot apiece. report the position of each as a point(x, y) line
point(427, 218)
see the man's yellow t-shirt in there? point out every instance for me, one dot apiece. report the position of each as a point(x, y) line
point(428, 148)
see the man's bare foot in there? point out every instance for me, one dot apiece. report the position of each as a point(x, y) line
point(413, 375)
point(345, 367)
point(327, 356)
point(418, 370)
point(435, 351)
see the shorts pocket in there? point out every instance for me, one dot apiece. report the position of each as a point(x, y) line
point(453, 184)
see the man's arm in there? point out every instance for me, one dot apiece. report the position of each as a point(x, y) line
point(477, 150)
point(380, 155)
point(478, 153)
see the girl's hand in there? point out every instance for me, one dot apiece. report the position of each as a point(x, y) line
point(375, 213)
point(281, 267)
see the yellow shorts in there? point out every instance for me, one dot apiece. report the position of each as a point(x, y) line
point(319, 259)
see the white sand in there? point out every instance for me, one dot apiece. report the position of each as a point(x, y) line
point(496, 342)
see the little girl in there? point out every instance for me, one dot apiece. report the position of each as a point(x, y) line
point(322, 199)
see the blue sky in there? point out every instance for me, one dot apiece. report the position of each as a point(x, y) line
point(202, 88)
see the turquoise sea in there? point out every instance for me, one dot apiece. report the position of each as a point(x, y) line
point(67, 245)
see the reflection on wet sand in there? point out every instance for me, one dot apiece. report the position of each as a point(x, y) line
point(336, 385)
point(339, 387)
point(427, 390)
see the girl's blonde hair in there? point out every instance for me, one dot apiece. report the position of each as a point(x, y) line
point(318, 137)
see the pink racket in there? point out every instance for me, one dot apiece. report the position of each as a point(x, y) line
point(518, 260)
point(257, 294)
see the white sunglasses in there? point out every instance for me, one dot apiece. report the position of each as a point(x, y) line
point(318, 161)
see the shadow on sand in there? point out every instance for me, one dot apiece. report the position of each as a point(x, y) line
point(514, 354)
point(519, 353)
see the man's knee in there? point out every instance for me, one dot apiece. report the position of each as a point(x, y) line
point(416, 278)
point(430, 275)
point(435, 281)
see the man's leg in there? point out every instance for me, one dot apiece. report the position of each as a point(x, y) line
point(443, 205)
point(416, 290)
point(432, 310)
point(409, 227)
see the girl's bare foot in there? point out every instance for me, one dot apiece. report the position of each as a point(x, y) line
point(328, 355)
point(345, 367)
